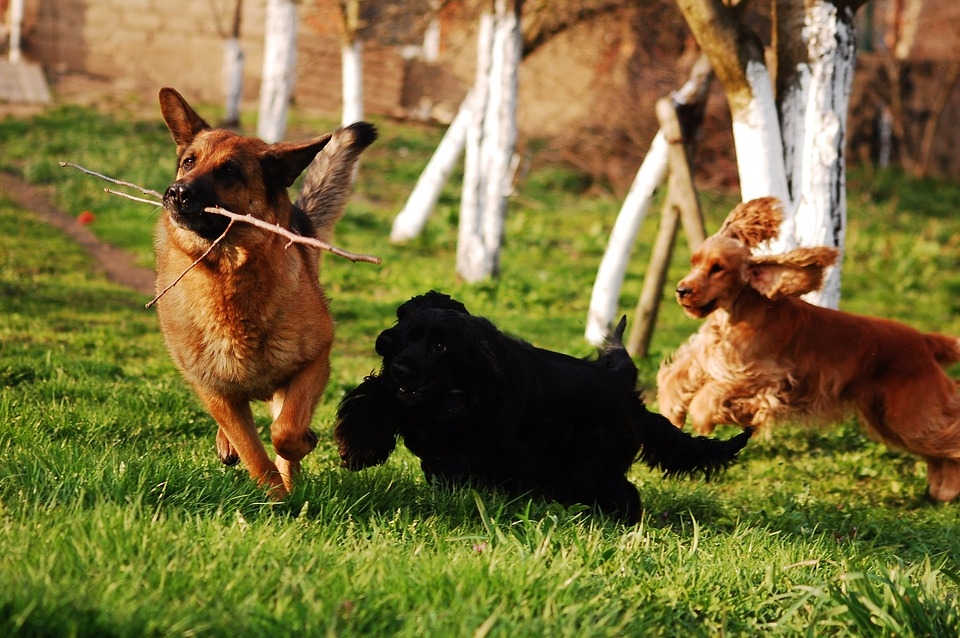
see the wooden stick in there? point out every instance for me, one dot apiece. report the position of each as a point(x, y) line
point(190, 267)
point(293, 237)
point(247, 219)
point(145, 191)
point(133, 197)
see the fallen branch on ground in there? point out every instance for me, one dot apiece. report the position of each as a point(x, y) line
point(291, 237)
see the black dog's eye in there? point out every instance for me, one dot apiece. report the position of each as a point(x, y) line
point(439, 347)
point(715, 268)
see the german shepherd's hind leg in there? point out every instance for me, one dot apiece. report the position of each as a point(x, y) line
point(235, 419)
point(293, 408)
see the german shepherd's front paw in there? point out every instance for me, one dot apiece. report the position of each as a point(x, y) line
point(294, 449)
point(228, 455)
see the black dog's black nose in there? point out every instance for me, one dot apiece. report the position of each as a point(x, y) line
point(400, 371)
point(683, 292)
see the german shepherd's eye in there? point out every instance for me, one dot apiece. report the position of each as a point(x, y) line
point(229, 170)
point(188, 163)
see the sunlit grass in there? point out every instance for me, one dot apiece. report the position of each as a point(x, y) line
point(116, 519)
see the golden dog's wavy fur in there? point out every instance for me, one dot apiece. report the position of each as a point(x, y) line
point(765, 355)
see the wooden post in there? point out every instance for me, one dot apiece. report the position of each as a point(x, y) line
point(681, 204)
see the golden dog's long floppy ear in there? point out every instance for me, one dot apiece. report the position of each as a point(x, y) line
point(790, 274)
point(754, 222)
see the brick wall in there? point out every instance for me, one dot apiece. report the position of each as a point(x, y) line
point(145, 44)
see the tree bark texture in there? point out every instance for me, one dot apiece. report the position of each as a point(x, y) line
point(789, 145)
point(279, 67)
point(491, 143)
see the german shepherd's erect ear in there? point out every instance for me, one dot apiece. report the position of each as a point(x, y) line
point(283, 162)
point(181, 119)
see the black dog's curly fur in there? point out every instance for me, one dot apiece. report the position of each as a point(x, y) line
point(477, 405)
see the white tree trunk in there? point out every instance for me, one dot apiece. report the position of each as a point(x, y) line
point(423, 199)
point(431, 39)
point(470, 250)
point(814, 112)
point(815, 47)
point(279, 69)
point(16, 23)
point(756, 138)
point(500, 137)
point(351, 55)
point(232, 79)
point(613, 266)
point(653, 170)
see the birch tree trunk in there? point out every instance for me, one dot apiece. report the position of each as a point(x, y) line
point(814, 84)
point(232, 80)
point(613, 266)
point(423, 199)
point(500, 135)
point(279, 69)
point(351, 57)
point(233, 69)
point(352, 77)
point(794, 150)
point(653, 170)
point(491, 142)
point(16, 24)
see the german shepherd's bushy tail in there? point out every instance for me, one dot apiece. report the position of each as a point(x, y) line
point(328, 180)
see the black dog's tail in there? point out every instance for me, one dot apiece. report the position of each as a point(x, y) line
point(328, 180)
point(613, 355)
point(678, 453)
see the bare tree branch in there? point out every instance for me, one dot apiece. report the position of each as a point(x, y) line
point(145, 191)
point(292, 237)
point(191, 266)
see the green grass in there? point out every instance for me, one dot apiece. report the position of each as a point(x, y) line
point(116, 519)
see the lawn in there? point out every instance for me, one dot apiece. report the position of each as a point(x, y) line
point(116, 518)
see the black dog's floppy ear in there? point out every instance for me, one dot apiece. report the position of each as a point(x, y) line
point(482, 351)
point(366, 427)
point(387, 344)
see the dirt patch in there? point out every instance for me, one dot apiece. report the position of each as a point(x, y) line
point(118, 265)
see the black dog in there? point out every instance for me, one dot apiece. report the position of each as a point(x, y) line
point(477, 405)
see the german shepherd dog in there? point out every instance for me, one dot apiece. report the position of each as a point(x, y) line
point(250, 320)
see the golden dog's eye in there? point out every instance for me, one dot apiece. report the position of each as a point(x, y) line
point(715, 268)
